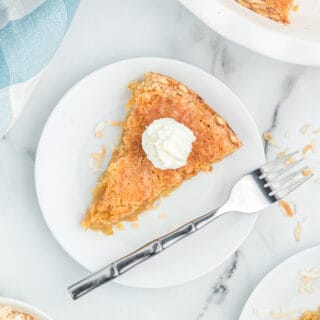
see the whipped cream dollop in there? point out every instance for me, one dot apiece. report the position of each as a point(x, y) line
point(167, 143)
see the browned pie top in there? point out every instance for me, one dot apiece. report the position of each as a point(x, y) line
point(131, 183)
point(278, 10)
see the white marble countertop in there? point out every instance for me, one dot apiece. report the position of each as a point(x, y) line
point(279, 96)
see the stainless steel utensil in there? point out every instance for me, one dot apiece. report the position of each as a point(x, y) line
point(252, 193)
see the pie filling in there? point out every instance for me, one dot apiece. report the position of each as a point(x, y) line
point(131, 183)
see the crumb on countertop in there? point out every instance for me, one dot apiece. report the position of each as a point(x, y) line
point(289, 209)
point(306, 149)
point(270, 139)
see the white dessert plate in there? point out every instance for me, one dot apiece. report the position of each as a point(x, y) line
point(24, 307)
point(297, 43)
point(289, 289)
point(64, 179)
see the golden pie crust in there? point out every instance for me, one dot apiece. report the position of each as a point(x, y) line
point(278, 10)
point(131, 184)
point(311, 315)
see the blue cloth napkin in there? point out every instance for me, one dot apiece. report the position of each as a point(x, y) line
point(30, 32)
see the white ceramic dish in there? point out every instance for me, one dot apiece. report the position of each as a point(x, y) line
point(281, 289)
point(64, 179)
point(25, 308)
point(297, 43)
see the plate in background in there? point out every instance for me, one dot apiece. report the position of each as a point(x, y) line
point(297, 43)
point(64, 179)
point(281, 290)
point(24, 308)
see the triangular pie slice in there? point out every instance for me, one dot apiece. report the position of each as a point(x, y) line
point(278, 10)
point(131, 184)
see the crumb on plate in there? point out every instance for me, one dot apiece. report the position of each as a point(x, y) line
point(283, 313)
point(295, 8)
point(163, 216)
point(135, 225)
point(116, 123)
point(97, 158)
point(98, 131)
point(309, 280)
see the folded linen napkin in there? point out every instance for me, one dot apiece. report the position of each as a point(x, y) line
point(30, 32)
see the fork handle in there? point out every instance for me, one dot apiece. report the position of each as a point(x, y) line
point(122, 265)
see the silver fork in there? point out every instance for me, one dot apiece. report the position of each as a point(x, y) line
point(252, 193)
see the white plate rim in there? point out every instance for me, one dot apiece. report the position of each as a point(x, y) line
point(269, 274)
point(58, 104)
point(252, 38)
point(24, 307)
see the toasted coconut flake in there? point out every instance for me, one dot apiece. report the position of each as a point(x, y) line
point(267, 136)
point(97, 158)
point(220, 120)
point(297, 231)
point(163, 80)
point(163, 216)
point(309, 280)
point(173, 227)
point(306, 149)
point(305, 128)
point(295, 8)
point(98, 131)
point(99, 134)
point(135, 225)
point(119, 226)
point(307, 172)
point(290, 161)
point(283, 153)
point(289, 210)
point(131, 101)
point(270, 139)
point(183, 88)
point(283, 313)
point(116, 123)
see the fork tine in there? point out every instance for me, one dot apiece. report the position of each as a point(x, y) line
point(279, 160)
point(290, 188)
point(278, 179)
point(279, 172)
